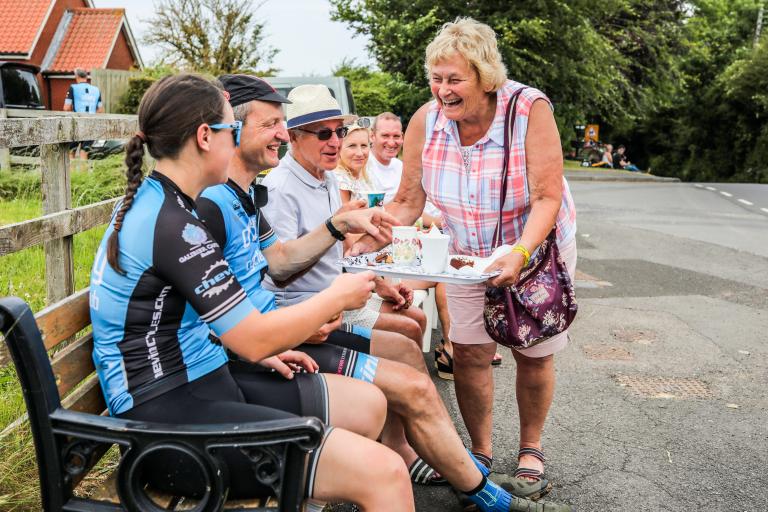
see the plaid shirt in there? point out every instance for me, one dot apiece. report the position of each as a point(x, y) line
point(470, 201)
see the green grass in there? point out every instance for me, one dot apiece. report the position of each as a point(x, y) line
point(23, 274)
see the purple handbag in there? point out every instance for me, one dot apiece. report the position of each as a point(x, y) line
point(542, 303)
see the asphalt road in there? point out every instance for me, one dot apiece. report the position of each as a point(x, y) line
point(661, 401)
point(749, 196)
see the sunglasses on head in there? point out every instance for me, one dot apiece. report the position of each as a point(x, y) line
point(325, 133)
point(236, 128)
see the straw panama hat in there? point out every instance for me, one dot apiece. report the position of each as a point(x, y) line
point(313, 103)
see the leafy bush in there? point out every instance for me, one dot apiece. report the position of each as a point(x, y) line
point(129, 102)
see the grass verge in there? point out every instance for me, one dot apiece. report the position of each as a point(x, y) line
point(23, 274)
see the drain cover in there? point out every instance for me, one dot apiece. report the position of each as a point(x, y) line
point(664, 387)
point(639, 336)
point(607, 353)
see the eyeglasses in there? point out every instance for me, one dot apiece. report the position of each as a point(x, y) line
point(236, 128)
point(325, 133)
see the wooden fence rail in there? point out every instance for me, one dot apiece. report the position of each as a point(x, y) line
point(53, 132)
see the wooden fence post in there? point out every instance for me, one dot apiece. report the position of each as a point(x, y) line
point(57, 196)
point(5, 153)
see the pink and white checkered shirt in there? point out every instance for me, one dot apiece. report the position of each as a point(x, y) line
point(469, 201)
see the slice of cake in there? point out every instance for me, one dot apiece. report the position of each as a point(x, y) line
point(458, 262)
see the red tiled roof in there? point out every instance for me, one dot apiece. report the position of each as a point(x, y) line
point(20, 22)
point(88, 40)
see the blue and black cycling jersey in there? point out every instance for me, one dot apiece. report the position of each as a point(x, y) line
point(151, 325)
point(83, 97)
point(234, 218)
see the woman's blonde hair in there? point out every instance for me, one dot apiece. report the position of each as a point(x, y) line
point(342, 166)
point(474, 41)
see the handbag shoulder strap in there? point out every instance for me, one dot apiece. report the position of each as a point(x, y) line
point(509, 129)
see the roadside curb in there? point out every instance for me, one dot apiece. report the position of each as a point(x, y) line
point(575, 175)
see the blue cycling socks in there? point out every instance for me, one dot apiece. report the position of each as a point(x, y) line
point(482, 467)
point(489, 497)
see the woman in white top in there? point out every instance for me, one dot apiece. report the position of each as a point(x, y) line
point(354, 180)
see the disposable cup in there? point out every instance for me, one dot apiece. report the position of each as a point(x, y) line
point(375, 199)
point(434, 252)
point(405, 245)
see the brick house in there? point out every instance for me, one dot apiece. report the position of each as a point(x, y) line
point(60, 35)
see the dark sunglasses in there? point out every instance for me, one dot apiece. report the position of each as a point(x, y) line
point(236, 128)
point(325, 133)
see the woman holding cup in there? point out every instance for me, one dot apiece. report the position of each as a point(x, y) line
point(354, 181)
point(454, 148)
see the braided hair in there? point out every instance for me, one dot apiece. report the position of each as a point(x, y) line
point(170, 112)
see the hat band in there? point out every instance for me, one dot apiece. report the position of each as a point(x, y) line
point(312, 117)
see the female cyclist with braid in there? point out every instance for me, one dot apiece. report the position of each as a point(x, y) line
point(160, 285)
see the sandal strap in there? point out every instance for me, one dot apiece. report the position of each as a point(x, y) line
point(529, 473)
point(422, 473)
point(534, 452)
point(483, 459)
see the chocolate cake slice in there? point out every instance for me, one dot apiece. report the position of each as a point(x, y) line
point(458, 262)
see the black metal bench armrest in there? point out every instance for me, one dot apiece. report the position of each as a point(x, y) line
point(277, 449)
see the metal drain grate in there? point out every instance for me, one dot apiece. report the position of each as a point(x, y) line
point(639, 336)
point(664, 387)
point(607, 353)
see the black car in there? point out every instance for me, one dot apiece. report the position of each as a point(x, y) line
point(19, 87)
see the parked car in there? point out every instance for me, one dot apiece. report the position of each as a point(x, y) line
point(103, 148)
point(19, 87)
point(338, 85)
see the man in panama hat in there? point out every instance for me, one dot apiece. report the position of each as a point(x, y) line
point(303, 194)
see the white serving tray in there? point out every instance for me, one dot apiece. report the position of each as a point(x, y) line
point(367, 261)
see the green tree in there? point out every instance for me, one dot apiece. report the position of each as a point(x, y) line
point(715, 128)
point(375, 92)
point(596, 60)
point(211, 36)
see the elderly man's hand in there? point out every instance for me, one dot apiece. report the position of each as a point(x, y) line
point(323, 332)
point(371, 221)
point(398, 294)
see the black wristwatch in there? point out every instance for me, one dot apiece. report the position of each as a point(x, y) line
point(335, 233)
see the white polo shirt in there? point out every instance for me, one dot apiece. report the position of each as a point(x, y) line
point(388, 176)
point(298, 203)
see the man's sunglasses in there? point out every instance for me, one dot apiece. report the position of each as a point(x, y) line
point(325, 133)
point(236, 128)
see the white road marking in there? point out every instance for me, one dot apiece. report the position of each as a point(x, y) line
point(744, 201)
point(765, 210)
point(711, 188)
point(698, 185)
point(726, 194)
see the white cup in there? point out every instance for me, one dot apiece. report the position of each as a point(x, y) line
point(405, 245)
point(434, 252)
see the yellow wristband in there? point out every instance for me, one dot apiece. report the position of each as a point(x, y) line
point(522, 250)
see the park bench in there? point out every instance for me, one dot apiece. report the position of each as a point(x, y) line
point(66, 413)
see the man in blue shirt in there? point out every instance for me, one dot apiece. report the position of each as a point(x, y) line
point(83, 98)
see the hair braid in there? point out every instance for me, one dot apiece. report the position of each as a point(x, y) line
point(134, 157)
point(170, 112)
